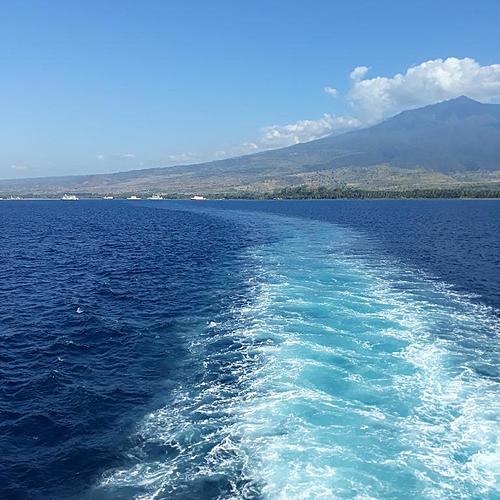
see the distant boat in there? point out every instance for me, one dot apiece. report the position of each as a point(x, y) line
point(14, 198)
point(133, 197)
point(198, 198)
point(155, 197)
point(70, 197)
point(107, 197)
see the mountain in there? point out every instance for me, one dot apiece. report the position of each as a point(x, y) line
point(452, 143)
point(457, 135)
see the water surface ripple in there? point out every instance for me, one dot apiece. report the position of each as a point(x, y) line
point(199, 352)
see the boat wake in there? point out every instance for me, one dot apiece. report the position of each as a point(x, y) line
point(341, 375)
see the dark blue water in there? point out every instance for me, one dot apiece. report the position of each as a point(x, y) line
point(93, 298)
point(146, 348)
point(455, 240)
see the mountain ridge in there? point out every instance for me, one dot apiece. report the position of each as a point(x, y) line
point(451, 139)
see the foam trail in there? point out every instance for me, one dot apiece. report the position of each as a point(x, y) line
point(344, 375)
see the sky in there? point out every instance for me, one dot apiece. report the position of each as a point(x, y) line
point(102, 86)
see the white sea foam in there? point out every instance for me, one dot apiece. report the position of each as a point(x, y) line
point(352, 377)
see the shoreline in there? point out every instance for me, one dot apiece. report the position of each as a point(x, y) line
point(347, 198)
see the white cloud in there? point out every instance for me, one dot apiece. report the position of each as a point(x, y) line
point(251, 146)
point(358, 73)
point(116, 156)
point(331, 91)
point(429, 82)
point(19, 168)
point(305, 130)
point(276, 136)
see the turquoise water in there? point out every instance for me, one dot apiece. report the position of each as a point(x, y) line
point(354, 377)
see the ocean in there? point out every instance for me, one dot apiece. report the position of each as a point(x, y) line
point(249, 349)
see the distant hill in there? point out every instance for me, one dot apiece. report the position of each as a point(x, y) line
point(452, 143)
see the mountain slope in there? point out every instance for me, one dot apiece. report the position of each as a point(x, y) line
point(446, 144)
point(456, 135)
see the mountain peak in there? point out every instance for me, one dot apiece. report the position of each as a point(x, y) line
point(460, 102)
point(458, 107)
point(463, 98)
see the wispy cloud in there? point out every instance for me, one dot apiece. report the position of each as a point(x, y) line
point(331, 91)
point(19, 168)
point(306, 130)
point(116, 156)
point(178, 158)
point(244, 148)
point(276, 136)
point(124, 156)
point(188, 157)
point(271, 137)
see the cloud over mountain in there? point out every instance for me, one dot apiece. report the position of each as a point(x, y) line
point(374, 99)
point(305, 130)
point(426, 83)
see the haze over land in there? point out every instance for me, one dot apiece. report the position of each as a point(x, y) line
point(446, 145)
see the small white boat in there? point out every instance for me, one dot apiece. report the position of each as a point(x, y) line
point(133, 197)
point(155, 197)
point(14, 198)
point(69, 197)
point(107, 198)
point(198, 198)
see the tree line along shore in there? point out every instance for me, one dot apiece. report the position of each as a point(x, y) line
point(302, 192)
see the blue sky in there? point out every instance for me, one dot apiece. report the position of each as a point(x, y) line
point(101, 86)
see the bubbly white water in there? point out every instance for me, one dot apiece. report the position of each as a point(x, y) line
point(347, 376)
